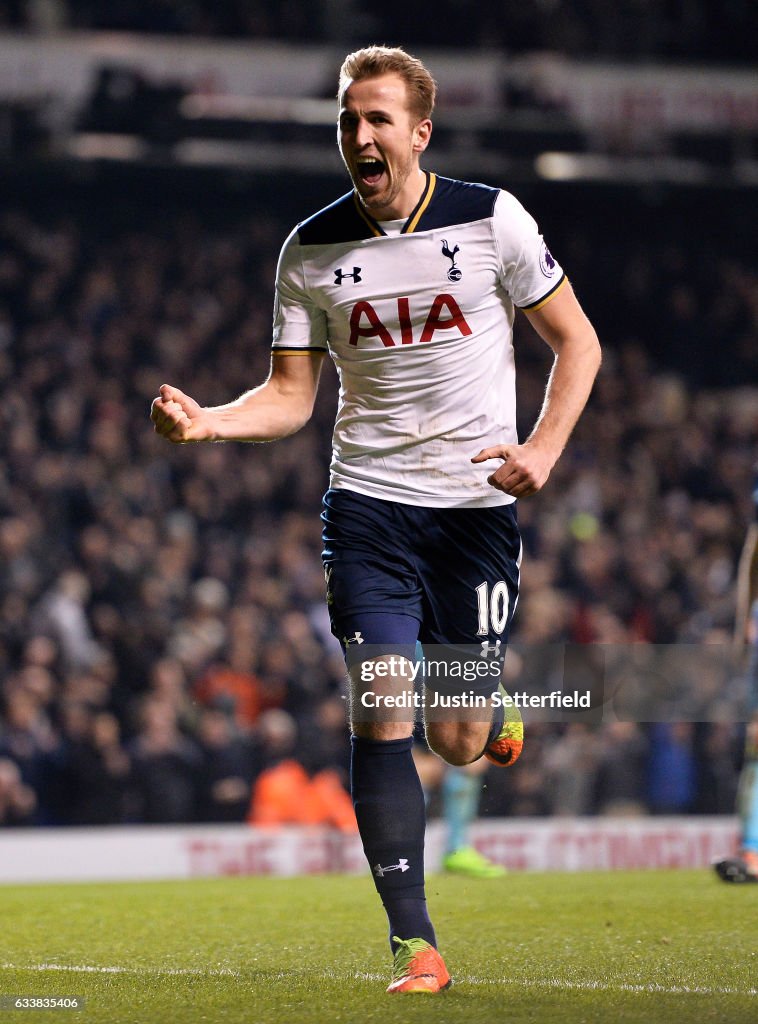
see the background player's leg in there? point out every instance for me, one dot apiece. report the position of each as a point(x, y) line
point(747, 803)
point(460, 802)
point(743, 867)
point(461, 792)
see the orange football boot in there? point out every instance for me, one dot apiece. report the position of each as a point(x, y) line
point(506, 748)
point(418, 967)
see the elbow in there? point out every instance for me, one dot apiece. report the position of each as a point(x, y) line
point(581, 348)
point(597, 352)
point(591, 350)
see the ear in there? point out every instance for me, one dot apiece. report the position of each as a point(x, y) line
point(422, 133)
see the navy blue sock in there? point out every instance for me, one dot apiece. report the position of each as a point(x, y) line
point(389, 806)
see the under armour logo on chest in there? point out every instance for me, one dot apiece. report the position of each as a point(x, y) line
point(340, 275)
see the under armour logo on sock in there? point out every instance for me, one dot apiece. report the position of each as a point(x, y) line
point(402, 865)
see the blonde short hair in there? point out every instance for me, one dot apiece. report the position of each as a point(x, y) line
point(372, 61)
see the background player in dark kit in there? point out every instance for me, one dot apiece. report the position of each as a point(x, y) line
point(410, 282)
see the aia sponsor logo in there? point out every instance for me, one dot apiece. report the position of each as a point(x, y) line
point(444, 315)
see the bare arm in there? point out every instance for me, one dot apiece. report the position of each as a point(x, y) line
point(566, 329)
point(279, 407)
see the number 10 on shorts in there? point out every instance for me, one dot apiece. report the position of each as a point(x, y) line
point(493, 607)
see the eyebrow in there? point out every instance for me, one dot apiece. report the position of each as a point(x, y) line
point(369, 113)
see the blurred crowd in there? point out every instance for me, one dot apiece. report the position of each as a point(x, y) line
point(165, 652)
point(702, 30)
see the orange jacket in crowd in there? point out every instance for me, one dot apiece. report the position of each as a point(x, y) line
point(287, 795)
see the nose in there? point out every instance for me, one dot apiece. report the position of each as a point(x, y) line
point(363, 134)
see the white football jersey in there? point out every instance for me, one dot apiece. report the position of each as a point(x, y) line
point(420, 327)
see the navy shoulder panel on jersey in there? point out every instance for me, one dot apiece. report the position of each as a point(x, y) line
point(452, 202)
point(339, 222)
point(458, 202)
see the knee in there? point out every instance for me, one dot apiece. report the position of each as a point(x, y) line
point(458, 743)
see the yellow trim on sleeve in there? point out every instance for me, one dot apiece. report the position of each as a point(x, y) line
point(550, 295)
point(295, 351)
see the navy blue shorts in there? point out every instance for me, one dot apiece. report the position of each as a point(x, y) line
point(397, 574)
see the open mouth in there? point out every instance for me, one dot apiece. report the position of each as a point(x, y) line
point(370, 171)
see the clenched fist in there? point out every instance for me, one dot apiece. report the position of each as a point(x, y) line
point(179, 418)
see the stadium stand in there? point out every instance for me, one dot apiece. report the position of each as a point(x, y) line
point(158, 604)
point(163, 635)
point(700, 30)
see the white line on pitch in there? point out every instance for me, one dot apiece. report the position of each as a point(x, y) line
point(556, 983)
point(87, 969)
point(621, 986)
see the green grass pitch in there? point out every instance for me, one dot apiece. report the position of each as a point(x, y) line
point(617, 947)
